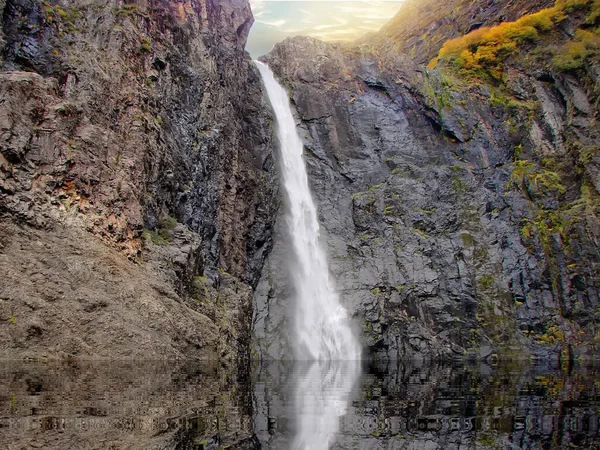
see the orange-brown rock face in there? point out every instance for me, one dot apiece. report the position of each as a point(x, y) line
point(141, 125)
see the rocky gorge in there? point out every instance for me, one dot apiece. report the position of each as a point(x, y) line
point(453, 162)
point(460, 207)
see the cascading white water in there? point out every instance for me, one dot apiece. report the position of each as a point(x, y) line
point(322, 325)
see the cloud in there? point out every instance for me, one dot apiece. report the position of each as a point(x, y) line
point(368, 12)
point(257, 5)
point(294, 31)
point(335, 35)
point(329, 20)
point(276, 24)
point(340, 22)
point(369, 28)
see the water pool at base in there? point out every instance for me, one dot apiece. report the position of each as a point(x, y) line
point(406, 405)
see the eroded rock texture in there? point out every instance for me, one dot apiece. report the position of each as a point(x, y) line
point(441, 239)
point(139, 130)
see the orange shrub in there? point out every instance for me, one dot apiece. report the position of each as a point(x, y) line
point(482, 53)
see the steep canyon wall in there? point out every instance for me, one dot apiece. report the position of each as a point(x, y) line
point(460, 208)
point(137, 187)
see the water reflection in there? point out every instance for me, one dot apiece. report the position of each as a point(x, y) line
point(123, 406)
point(317, 406)
point(322, 395)
point(431, 407)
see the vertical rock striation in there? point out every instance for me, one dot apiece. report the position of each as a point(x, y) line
point(143, 124)
point(461, 217)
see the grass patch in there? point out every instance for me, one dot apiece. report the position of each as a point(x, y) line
point(468, 240)
point(389, 210)
point(420, 232)
point(164, 234)
point(62, 18)
point(130, 10)
point(553, 335)
point(572, 55)
point(529, 178)
point(145, 44)
point(487, 282)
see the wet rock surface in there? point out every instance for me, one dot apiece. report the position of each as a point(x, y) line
point(422, 208)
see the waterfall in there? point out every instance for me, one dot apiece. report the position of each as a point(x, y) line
point(322, 325)
point(323, 335)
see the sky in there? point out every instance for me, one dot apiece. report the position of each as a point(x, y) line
point(324, 19)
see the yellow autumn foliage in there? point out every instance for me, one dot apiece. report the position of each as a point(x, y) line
point(482, 52)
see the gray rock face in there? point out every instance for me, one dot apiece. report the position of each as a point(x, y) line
point(424, 213)
point(272, 323)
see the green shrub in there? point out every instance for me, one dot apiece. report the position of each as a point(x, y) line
point(145, 44)
point(571, 5)
point(594, 13)
point(62, 18)
point(527, 176)
point(572, 55)
point(487, 281)
point(129, 10)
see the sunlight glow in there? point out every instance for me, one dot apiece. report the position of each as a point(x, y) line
point(329, 20)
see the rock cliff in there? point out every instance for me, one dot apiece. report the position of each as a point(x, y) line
point(459, 208)
point(137, 187)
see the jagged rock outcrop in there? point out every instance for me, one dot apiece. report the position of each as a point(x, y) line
point(131, 130)
point(460, 216)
